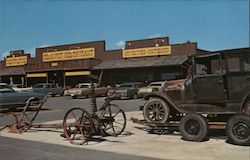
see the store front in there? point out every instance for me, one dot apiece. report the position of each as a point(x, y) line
point(146, 70)
point(67, 65)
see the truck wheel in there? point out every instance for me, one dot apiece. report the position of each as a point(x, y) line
point(193, 127)
point(156, 110)
point(238, 129)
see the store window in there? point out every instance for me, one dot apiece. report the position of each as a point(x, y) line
point(247, 63)
point(233, 64)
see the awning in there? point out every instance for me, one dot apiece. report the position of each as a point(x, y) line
point(77, 73)
point(142, 62)
point(12, 71)
point(35, 75)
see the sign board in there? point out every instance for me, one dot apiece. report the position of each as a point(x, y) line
point(33, 75)
point(149, 51)
point(65, 55)
point(16, 61)
point(77, 73)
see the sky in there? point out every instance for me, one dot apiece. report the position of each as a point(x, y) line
point(214, 25)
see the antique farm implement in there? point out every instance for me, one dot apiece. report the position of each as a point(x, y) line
point(79, 125)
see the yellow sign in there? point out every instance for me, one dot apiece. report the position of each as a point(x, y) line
point(33, 75)
point(54, 64)
point(150, 51)
point(16, 61)
point(65, 55)
point(77, 73)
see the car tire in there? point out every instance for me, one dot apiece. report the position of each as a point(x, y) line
point(193, 127)
point(135, 96)
point(238, 129)
point(88, 96)
point(74, 97)
point(156, 110)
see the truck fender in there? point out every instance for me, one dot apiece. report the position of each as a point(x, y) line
point(244, 101)
point(166, 98)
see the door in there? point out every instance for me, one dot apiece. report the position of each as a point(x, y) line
point(209, 89)
point(208, 79)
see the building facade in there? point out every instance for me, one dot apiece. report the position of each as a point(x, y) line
point(67, 65)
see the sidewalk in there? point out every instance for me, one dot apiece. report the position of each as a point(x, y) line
point(141, 143)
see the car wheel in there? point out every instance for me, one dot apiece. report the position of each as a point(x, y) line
point(88, 95)
point(193, 127)
point(238, 129)
point(74, 97)
point(135, 96)
point(156, 110)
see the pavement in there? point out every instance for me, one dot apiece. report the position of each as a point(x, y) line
point(138, 142)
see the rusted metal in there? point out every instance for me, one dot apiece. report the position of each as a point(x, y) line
point(25, 119)
point(79, 126)
point(169, 124)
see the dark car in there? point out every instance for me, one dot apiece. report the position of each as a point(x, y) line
point(127, 90)
point(216, 91)
point(48, 88)
point(10, 99)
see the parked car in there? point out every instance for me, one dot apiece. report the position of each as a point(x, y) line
point(152, 87)
point(127, 90)
point(84, 90)
point(10, 99)
point(48, 88)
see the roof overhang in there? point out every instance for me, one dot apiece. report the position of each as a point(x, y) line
point(156, 61)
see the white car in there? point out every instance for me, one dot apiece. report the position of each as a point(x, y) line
point(84, 89)
point(152, 87)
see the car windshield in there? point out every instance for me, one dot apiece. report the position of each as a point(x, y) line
point(82, 86)
point(38, 86)
point(155, 84)
point(5, 88)
point(125, 86)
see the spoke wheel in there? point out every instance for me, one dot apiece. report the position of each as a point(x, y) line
point(156, 110)
point(78, 126)
point(113, 120)
point(193, 127)
point(238, 129)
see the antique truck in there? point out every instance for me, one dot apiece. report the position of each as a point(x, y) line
point(215, 94)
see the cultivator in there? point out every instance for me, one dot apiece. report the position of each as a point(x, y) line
point(79, 125)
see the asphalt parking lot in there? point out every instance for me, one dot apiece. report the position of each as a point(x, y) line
point(135, 141)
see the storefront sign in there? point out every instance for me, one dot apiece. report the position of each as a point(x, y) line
point(65, 55)
point(16, 61)
point(54, 64)
point(150, 51)
point(77, 73)
point(33, 75)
